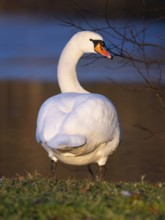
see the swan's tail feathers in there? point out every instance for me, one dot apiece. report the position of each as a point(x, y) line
point(64, 141)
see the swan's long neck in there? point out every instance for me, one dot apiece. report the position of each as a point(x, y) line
point(66, 71)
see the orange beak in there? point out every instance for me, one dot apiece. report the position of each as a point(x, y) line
point(101, 50)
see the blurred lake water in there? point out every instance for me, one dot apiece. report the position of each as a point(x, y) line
point(29, 51)
point(30, 47)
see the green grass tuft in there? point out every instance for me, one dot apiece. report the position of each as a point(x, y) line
point(35, 197)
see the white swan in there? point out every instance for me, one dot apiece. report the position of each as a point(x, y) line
point(78, 127)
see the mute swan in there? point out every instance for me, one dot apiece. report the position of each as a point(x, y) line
point(75, 126)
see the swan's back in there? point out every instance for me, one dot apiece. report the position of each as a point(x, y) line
point(74, 113)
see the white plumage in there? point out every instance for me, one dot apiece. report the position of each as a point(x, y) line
point(75, 126)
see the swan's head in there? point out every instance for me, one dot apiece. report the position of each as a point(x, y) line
point(91, 42)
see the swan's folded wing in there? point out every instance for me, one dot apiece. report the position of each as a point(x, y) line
point(66, 141)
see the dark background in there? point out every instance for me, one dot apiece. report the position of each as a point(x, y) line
point(120, 8)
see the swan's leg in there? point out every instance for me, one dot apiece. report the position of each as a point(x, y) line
point(91, 171)
point(101, 172)
point(53, 168)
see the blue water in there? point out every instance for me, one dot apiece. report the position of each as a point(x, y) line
point(30, 47)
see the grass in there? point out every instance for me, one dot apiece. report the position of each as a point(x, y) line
point(35, 197)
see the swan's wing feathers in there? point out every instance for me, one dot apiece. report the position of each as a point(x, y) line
point(51, 117)
point(66, 141)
